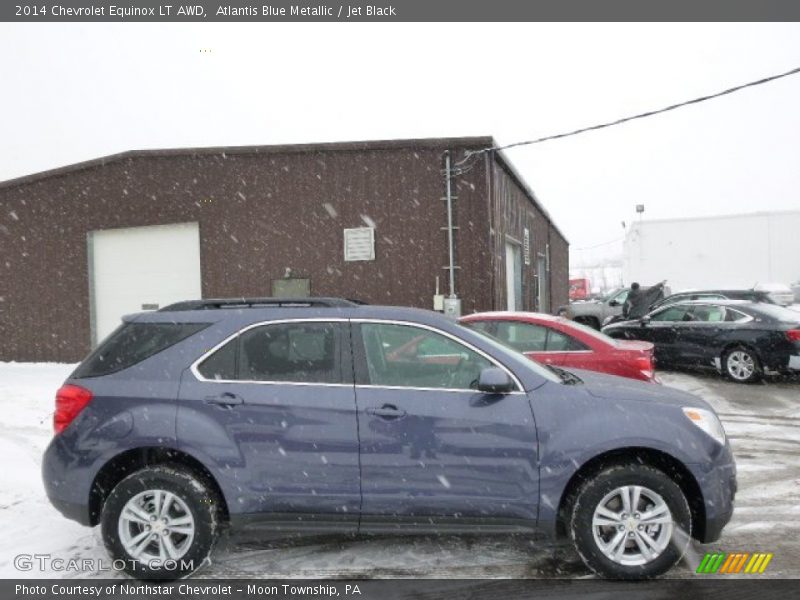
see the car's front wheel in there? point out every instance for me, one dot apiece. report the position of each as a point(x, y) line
point(160, 523)
point(630, 521)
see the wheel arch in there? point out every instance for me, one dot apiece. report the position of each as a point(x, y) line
point(664, 462)
point(123, 464)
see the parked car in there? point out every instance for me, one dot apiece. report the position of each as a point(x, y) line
point(779, 293)
point(597, 312)
point(752, 295)
point(741, 339)
point(321, 415)
point(564, 343)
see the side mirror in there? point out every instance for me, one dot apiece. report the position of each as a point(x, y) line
point(613, 303)
point(644, 321)
point(494, 380)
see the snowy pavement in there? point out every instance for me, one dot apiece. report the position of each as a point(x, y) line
point(762, 421)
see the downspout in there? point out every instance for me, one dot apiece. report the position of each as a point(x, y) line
point(451, 267)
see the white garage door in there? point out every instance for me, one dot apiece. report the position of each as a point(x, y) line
point(141, 268)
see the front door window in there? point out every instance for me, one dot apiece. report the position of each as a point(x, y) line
point(403, 355)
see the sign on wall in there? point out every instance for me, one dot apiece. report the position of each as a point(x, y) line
point(359, 244)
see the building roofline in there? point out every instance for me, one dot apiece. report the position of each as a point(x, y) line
point(506, 163)
point(760, 213)
point(477, 142)
point(468, 143)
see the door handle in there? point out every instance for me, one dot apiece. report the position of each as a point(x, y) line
point(387, 411)
point(225, 399)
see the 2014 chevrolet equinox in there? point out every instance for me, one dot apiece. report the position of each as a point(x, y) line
point(324, 415)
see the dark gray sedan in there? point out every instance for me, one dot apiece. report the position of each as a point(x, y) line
point(741, 339)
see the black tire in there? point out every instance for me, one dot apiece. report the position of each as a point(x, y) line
point(596, 489)
point(739, 373)
point(195, 493)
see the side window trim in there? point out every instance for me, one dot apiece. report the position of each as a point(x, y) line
point(344, 354)
point(360, 359)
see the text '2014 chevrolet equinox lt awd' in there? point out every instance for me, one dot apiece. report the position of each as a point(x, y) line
point(324, 415)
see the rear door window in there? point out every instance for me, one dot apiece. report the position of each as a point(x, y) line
point(222, 364)
point(708, 314)
point(291, 352)
point(132, 343)
point(560, 342)
point(523, 337)
point(671, 313)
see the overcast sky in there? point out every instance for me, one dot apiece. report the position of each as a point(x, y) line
point(73, 92)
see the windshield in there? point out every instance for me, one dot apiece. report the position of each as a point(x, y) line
point(611, 294)
point(504, 349)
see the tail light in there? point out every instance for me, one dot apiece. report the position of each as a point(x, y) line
point(644, 362)
point(70, 401)
point(793, 335)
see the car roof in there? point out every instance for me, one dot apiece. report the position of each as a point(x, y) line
point(510, 314)
point(213, 311)
point(725, 302)
point(720, 291)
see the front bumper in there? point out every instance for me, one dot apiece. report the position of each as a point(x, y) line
point(718, 486)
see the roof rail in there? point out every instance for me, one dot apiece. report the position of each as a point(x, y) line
point(216, 303)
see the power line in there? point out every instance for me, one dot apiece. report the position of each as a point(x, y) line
point(643, 115)
point(599, 245)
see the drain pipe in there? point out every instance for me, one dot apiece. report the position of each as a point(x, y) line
point(449, 195)
point(452, 304)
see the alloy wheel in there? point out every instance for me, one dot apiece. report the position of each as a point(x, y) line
point(632, 525)
point(741, 365)
point(156, 525)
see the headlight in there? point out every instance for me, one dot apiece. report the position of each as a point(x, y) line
point(707, 421)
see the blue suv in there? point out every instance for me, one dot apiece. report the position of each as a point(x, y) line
point(323, 415)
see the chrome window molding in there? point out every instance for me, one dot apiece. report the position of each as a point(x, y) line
point(194, 366)
point(559, 352)
point(195, 371)
point(369, 386)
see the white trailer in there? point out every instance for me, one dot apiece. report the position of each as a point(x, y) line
point(722, 252)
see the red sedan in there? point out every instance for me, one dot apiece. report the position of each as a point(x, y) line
point(564, 343)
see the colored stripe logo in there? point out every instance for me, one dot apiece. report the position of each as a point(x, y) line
point(734, 563)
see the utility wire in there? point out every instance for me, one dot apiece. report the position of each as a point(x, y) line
point(643, 115)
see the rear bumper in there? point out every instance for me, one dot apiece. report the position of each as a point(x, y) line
point(65, 487)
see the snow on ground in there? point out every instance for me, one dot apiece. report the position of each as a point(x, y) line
point(762, 421)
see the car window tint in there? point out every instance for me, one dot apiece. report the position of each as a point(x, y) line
point(734, 316)
point(523, 337)
point(671, 313)
point(622, 296)
point(222, 364)
point(407, 356)
point(131, 343)
point(708, 314)
point(482, 326)
point(559, 342)
point(296, 352)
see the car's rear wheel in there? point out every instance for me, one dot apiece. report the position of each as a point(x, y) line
point(630, 521)
point(742, 365)
point(160, 523)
